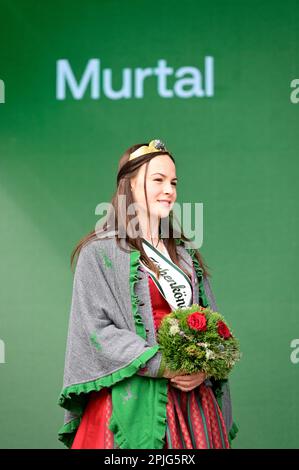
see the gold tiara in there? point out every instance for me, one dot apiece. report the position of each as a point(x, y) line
point(153, 146)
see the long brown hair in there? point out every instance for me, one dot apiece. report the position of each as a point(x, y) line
point(127, 169)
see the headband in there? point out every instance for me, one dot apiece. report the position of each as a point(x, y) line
point(153, 146)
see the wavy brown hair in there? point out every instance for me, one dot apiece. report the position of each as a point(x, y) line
point(127, 169)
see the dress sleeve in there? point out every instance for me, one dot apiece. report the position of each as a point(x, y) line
point(154, 368)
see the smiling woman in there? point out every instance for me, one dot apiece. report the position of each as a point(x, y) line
point(117, 392)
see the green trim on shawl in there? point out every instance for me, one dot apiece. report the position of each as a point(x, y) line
point(69, 397)
point(232, 433)
point(67, 432)
point(134, 263)
point(139, 399)
point(71, 400)
point(138, 418)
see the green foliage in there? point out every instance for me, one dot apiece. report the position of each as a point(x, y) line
point(215, 355)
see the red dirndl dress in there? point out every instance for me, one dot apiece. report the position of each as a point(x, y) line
point(194, 419)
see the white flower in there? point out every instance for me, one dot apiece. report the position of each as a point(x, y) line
point(174, 329)
point(204, 345)
point(210, 354)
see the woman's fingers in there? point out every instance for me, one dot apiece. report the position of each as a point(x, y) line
point(182, 379)
point(171, 374)
point(189, 378)
point(183, 388)
point(187, 383)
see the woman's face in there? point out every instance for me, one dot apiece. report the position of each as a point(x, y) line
point(161, 183)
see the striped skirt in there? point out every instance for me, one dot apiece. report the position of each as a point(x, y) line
point(194, 421)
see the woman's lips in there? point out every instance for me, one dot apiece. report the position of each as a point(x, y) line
point(165, 203)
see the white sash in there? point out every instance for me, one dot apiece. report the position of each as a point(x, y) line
point(173, 284)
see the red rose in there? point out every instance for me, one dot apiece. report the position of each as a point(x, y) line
point(223, 330)
point(197, 321)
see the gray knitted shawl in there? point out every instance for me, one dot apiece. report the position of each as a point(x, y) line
point(111, 333)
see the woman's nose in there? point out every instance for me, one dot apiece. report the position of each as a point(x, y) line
point(168, 188)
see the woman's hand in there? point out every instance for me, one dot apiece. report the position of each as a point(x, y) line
point(186, 383)
point(170, 374)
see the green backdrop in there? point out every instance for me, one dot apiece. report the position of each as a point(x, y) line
point(235, 139)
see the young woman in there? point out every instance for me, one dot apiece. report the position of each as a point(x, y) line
point(117, 392)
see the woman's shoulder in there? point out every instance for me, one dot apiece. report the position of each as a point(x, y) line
point(106, 249)
point(95, 245)
point(117, 250)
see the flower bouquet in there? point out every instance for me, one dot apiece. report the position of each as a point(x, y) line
point(197, 339)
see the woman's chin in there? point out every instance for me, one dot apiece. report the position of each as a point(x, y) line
point(162, 213)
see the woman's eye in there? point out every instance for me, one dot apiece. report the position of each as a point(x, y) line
point(159, 179)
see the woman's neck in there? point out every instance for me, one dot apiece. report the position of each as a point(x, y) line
point(158, 245)
point(150, 233)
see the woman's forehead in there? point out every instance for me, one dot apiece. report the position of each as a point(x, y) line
point(161, 164)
